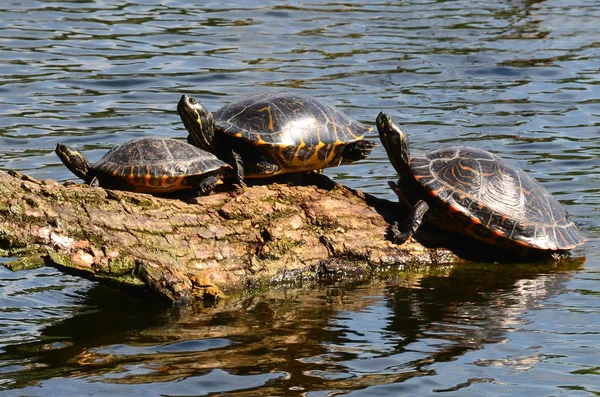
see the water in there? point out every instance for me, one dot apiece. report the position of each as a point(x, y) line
point(519, 78)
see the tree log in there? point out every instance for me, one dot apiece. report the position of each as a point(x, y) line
point(189, 248)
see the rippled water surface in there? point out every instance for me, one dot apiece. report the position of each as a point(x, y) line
point(516, 77)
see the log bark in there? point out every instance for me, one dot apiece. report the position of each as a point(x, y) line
point(204, 247)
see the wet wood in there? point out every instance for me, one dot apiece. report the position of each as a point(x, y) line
point(204, 247)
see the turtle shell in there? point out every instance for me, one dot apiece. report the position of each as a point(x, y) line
point(493, 201)
point(156, 164)
point(297, 130)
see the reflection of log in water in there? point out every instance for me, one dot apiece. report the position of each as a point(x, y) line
point(201, 246)
point(337, 337)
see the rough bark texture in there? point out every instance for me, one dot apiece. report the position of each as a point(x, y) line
point(201, 247)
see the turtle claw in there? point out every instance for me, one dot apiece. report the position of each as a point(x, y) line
point(240, 187)
point(394, 234)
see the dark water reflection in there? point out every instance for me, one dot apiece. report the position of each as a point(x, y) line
point(376, 337)
point(519, 78)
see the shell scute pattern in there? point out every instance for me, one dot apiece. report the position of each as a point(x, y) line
point(288, 119)
point(156, 163)
point(495, 200)
point(157, 157)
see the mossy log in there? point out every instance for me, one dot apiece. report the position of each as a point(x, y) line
point(188, 248)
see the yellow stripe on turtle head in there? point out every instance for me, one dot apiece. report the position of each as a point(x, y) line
point(73, 160)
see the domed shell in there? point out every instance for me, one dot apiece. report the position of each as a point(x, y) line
point(495, 201)
point(157, 163)
point(287, 119)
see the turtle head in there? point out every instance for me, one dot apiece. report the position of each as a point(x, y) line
point(74, 161)
point(394, 140)
point(198, 121)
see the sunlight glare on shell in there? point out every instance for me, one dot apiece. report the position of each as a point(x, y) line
point(294, 131)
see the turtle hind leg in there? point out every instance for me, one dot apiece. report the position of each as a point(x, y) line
point(410, 226)
point(358, 150)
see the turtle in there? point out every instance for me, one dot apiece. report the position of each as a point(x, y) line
point(149, 165)
point(275, 132)
point(476, 193)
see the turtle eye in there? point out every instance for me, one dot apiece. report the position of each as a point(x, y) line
point(193, 101)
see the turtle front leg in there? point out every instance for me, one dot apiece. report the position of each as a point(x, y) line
point(238, 170)
point(207, 185)
point(410, 226)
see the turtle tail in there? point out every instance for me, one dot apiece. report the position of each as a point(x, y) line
point(74, 161)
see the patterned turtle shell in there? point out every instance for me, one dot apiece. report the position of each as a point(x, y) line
point(494, 201)
point(149, 165)
point(299, 131)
